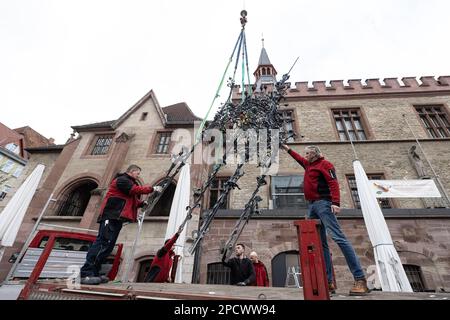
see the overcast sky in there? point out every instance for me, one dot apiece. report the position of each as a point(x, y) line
point(65, 63)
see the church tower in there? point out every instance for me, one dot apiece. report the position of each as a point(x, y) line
point(265, 73)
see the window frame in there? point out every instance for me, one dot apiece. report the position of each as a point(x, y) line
point(363, 122)
point(4, 191)
point(92, 143)
point(12, 149)
point(293, 123)
point(273, 195)
point(222, 180)
point(370, 176)
point(11, 166)
point(95, 145)
point(223, 273)
point(443, 111)
point(414, 272)
point(157, 140)
point(20, 172)
point(141, 273)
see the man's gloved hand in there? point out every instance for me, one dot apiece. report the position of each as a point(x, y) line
point(241, 284)
point(143, 204)
point(285, 147)
point(157, 189)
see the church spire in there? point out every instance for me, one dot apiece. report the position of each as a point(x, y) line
point(265, 73)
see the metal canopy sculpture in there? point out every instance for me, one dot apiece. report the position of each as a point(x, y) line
point(254, 113)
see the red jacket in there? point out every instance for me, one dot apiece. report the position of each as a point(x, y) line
point(262, 278)
point(320, 181)
point(163, 260)
point(122, 199)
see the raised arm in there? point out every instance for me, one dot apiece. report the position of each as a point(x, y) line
point(302, 161)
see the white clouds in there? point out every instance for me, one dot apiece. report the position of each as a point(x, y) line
point(88, 61)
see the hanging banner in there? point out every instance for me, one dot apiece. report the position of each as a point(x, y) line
point(404, 188)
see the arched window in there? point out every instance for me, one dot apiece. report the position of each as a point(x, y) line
point(75, 200)
point(162, 208)
point(286, 270)
point(264, 71)
point(414, 274)
point(144, 268)
point(217, 273)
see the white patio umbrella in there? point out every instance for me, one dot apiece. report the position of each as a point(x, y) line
point(390, 269)
point(12, 215)
point(178, 214)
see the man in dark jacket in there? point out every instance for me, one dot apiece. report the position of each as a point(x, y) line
point(322, 192)
point(163, 261)
point(242, 271)
point(120, 205)
point(261, 275)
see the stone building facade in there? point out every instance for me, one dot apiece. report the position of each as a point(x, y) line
point(379, 115)
point(78, 175)
point(14, 144)
point(384, 118)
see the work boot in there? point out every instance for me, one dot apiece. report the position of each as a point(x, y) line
point(359, 288)
point(331, 288)
point(104, 279)
point(91, 280)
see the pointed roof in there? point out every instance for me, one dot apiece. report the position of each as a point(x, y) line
point(177, 114)
point(263, 58)
point(265, 73)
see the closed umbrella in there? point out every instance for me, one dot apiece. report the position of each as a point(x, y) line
point(178, 214)
point(390, 269)
point(12, 215)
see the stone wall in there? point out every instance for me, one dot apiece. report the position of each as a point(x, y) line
point(423, 242)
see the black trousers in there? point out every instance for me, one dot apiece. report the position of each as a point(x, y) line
point(102, 247)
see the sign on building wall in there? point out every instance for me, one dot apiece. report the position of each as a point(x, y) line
point(404, 188)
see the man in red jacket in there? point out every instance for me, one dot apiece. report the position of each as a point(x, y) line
point(120, 205)
point(163, 261)
point(262, 278)
point(322, 192)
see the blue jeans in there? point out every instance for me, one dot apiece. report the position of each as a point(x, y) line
point(102, 247)
point(321, 210)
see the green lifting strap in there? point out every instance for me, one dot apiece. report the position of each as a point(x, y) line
point(243, 73)
point(246, 62)
point(202, 125)
point(241, 44)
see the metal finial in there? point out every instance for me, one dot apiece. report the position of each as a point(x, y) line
point(243, 18)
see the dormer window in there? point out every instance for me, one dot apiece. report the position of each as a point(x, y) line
point(102, 145)
point(12, 147)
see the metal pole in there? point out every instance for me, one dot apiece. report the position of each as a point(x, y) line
point(429, 163)
point(68, 228)
point(133, 248)
point(27, 242)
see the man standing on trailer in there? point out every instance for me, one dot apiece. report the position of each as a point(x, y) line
point(322, 192)
point(120, 205)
